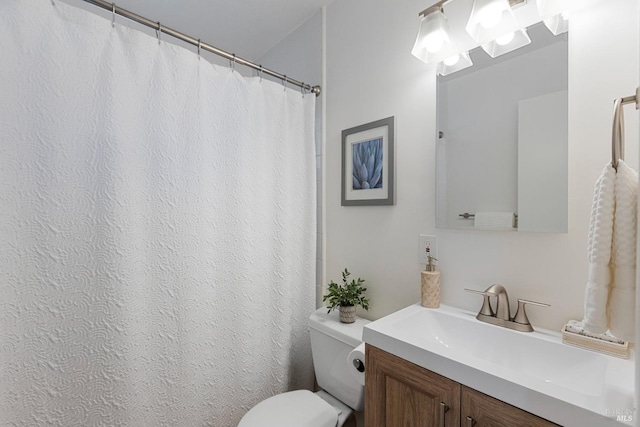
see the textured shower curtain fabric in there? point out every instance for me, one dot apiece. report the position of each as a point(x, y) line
point(157, 228)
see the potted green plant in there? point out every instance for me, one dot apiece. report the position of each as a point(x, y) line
point(347, 296)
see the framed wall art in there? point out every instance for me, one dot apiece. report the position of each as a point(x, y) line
point(368, 164)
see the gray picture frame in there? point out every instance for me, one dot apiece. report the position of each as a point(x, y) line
point(368, 164)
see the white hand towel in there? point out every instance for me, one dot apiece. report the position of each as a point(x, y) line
point(622, 298)
point(599, 253)
point(494, 220)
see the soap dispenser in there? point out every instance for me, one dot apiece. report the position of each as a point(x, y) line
point(430, 285)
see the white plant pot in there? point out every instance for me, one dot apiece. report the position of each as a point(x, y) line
point(348, 314)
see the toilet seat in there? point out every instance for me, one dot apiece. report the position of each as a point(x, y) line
point(300, 408)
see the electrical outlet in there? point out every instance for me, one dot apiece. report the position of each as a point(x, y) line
point(428, 245)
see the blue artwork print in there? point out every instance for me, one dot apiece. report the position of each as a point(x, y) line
point(367, 164)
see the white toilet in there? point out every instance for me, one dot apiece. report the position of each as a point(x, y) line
point(342, 391)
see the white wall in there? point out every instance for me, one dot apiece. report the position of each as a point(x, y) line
point(637, 366)
point(371, 75)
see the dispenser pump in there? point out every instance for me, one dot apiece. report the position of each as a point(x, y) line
point(430, 285)
point(430, 265)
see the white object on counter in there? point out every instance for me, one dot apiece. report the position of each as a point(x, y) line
point(494, 220)
point(355, 359)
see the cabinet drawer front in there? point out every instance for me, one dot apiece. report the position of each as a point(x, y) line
point(487, 411)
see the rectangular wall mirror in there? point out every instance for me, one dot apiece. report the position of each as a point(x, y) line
point(502, 138)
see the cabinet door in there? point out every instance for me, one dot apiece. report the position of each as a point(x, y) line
point(401, 394)
point(480, 410)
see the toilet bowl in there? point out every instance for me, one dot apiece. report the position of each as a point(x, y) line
point(341, 391)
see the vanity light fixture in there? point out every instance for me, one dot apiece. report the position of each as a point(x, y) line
point(558, 24)
point(454, 63)
point(491, 24)
point(554, 13)
point(491, 19)
point(549, 8)
point(507, 43)
point(433, 43)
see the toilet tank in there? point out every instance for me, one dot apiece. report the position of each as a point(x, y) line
point(331, 343)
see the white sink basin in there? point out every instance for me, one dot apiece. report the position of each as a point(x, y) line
point(533, 371)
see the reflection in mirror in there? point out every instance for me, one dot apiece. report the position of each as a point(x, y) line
point(502, 143)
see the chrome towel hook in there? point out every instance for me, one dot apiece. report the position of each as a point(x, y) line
point(617, 134)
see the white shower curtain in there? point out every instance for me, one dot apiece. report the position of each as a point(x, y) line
point(157, 228)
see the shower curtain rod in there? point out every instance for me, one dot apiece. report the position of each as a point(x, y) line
point(201, 45)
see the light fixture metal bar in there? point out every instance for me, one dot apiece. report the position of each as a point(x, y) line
point(111, 7)
point(513, 3)
point(435, 8)
point(438, 6)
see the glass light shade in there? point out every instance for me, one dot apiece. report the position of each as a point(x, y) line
point(557, 24)
point(490, 19)
point(549, 8)
point(454, 63)
point(433, 43)
point(501, 46)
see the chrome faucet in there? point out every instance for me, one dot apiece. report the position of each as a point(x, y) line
point(502, 315)
point(502, 301)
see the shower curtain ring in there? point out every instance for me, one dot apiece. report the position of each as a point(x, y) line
point(284, 82)
point(302, 90)
point(260, 73)
point(232, 62)
point(159, 32)
point(113, 15)
point(199, 46)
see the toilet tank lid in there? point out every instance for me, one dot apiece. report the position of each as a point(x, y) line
point(329, 323)
point(293, 409)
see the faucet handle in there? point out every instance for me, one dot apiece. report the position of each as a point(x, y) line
point(521, 314)
point(486, 305)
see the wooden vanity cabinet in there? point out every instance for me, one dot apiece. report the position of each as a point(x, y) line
point(399, 393)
